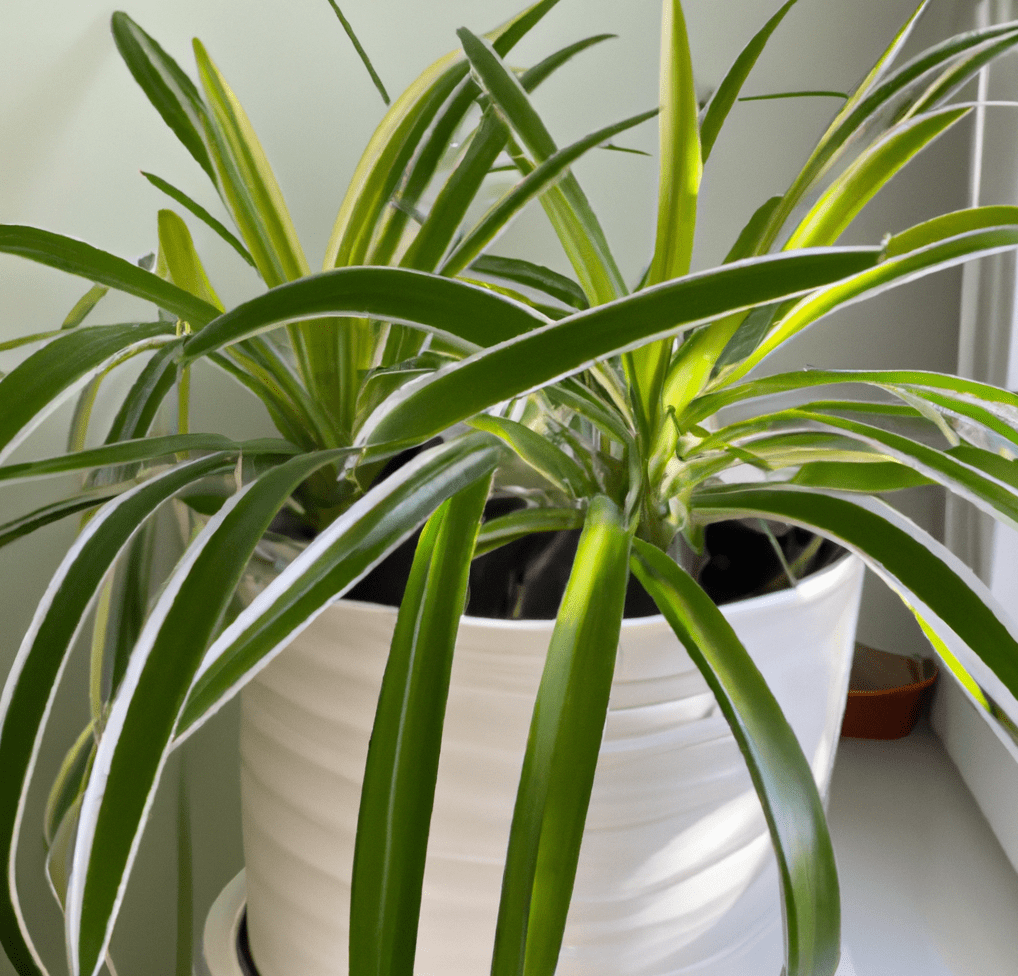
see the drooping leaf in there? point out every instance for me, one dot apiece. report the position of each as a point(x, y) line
point(556, 350)
point(727, 92)
point(466, 312)
point(338, 556)
point(79, 258)
point(135, 741)
point(929, 578)
point(777, 766)
point(508, 528)
point(37, 385)
point(201, 213)
point(539, 453)
point(32, 680)
point(398, 792)
point(83, 306)
point(532, 275)
point(562, 749)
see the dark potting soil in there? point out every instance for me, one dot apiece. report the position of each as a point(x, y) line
point(526, 579)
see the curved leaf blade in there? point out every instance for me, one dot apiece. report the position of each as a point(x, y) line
point(32, 681)
point(139, 728)
point(402, 765)
point(840, 203)
point(37, 385)
point(549, 353)
point(728, 91)
point(538, 452)
point(340, 555)
point(930, 579)
point(562, 749)
point(476, 315)
point(78, 258)
point(508, 528)
point(811, 904)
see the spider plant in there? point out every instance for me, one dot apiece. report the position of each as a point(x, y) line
point(613, 397)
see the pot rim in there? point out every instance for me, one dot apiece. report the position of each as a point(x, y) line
point(810, 589)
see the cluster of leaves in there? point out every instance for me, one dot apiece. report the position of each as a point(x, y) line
point(609, 396)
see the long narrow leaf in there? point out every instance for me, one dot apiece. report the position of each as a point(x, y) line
point(929, 578)
point(839, 204)
point(532, 275)
point(779, 770)
point(79, 258)
point(176, 248)
point(540, 453)
point(508, 528)
point(475, 315)
point(402, 765)
point(37, 385)
point(556, 350)
point(135, 741)
point(888, 274)
point(567, 206)
point(340, 555)
point(201, 213)
point(727, 92)
point(532, 185)
point(33, 678)
point(172, 93)
point(562, 748)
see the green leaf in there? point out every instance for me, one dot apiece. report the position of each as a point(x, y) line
point(176, 248)
point(141, 449)
point(573, 394)
point(170, 90)
point(930, 579)
point(680, 160)
point(138, 409)
point(539, 453)
point(249, 186)
point(201, 213)
point(338, 556)
point(949, 225)
point(452, 308)
point(727, 92)
point(794, 94)
point(402, 765)
point(872, 100)
point(839, 204)
point(68, 784)
point(534, 276)
point(83, 306)
point(30, 391)
point(873, 281)
point(508, 528)
point(533, 185)
point(185, 876)
point(572, 344)
point(139, 728)
point(750, 235)
point(562, 749)
point(777, 766)
point(566, 204)
point(78, 258)
point(361, 53)
point(32, 680)
point(870, 478)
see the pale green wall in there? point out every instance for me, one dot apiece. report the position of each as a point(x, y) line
point(76, 131)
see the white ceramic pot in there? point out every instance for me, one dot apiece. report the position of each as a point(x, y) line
point(674, 832)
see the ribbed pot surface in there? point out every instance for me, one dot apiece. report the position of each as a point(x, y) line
point(674, 833)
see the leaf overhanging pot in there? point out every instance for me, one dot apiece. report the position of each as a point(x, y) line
point(674, 833)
